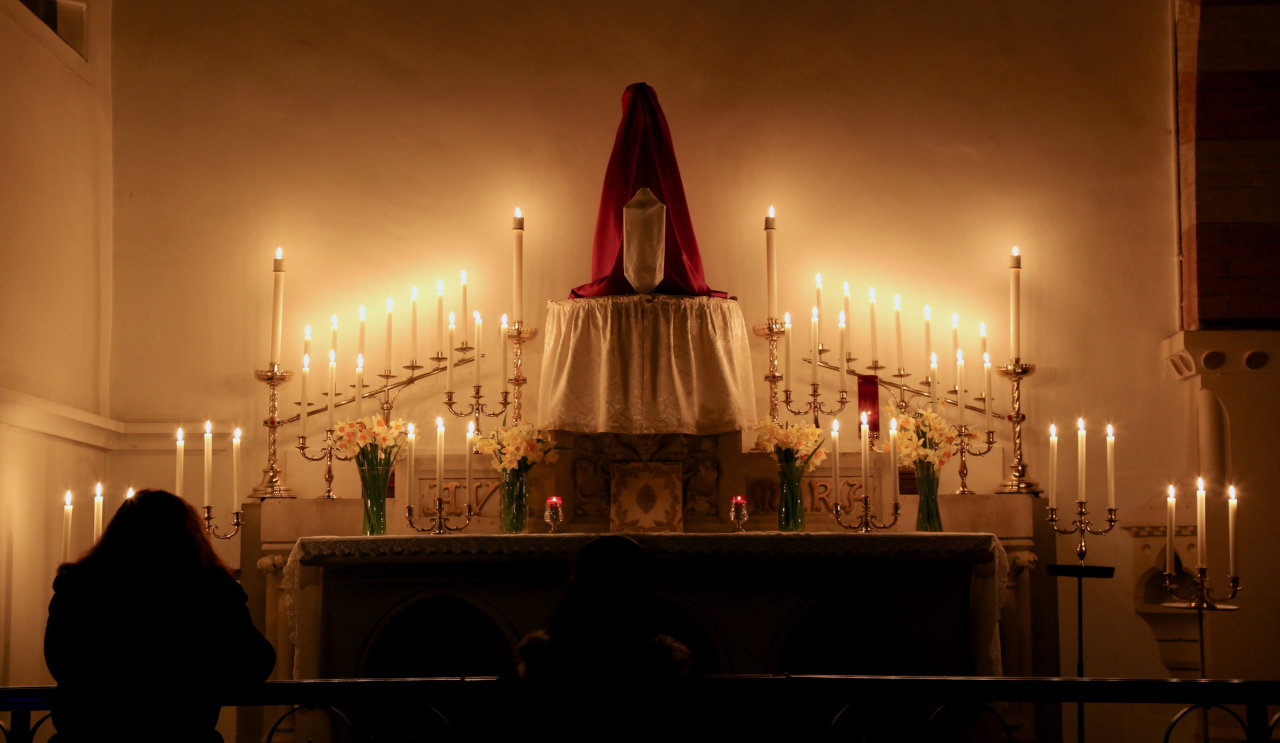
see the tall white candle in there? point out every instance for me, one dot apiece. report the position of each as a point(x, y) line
point(897, 329)
point(440, 347)
point(786, 351)
point(464, 317)
point(439, 457)
point(893, 457)
point(235, 470)
point(333, 388)
point(502, 344)
point(97, 511)
point(864, 444)
point(871, 297)
point(411, 438)
point(277, 306)
point(1053, 466)
point(771, 264)
point(840, 362)
point(1231, 531)
point(1202, 531)
point(960, 384)
point(360, 336)
point(1111, 467)
point(302, 406)
point(208, 463)
point(928, 339)
point(935, 385)
point(848, 320)
point(813, 347)
point(982, 337)
point(1169, 530)
point(517, 267)
point(817, 280)
point(413, 326)
point(986, 389)
point(448, 361)
point(66, 529)
point(359, 385)
point(387, 357)
point(835, 460)
point(177, 480)
point(1015, 269)
point(478, 334)
point(1080, 456)
point(466, 455)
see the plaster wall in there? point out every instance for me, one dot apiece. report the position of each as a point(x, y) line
point(55, 213)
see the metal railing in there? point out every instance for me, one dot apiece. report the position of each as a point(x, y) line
point(804, 704)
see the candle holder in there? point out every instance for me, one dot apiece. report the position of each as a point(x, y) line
point(1015, 370)
point(519, 335)
point(440, 522)
point(554, 514)
point(328, 453)
point(1081, 525)
point(1198, 595)
point(815, 407)
point(738, 513)
point(212, 528)
point(866, 522)
point(966, 450)
point(772, 330)
point(476, 408)
point(272, 484)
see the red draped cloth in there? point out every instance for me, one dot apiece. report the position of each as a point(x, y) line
point(643, 156)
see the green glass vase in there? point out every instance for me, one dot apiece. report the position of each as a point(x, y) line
point(513, 501)
point(928, 517)
point(373, 491)
point(790, 504)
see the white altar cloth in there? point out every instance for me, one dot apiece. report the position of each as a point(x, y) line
point(646, 364)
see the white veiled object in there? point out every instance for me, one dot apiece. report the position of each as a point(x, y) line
point(644, 240)
point(646, 364)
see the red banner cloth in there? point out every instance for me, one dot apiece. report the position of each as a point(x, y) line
point(643, 156)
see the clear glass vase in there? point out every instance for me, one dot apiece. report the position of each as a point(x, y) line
point(513, 505)
point(790, 504)
point(928, 518)
point(373, 491)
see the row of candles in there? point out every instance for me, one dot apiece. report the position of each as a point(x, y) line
point(864, 449)
point(443, 352)
point(67, 510)
point(207, 479)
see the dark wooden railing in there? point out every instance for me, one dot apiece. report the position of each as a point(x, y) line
point(803, 703)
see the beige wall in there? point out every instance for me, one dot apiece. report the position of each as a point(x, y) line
point(55, 298)
point(905, 145)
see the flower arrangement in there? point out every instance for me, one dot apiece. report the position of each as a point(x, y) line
point(371, 441)
point(792, 446)
point(924, 437)
point(517, 447)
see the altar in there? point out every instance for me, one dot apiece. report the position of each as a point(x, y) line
point(895, 604)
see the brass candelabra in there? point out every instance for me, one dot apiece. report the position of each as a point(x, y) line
point(328, 453)
point(272, 484)
point(1199, 596)
point(519, 335)
point(212, 528)
point(1018, 481)
point(439, 520)
point(867, 522)
point(1081, 525)
point(772, 330)
point(965, 449)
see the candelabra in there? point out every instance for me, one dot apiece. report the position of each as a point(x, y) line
point(1015, 370)
point(519, 335)
point(272, 485)
point(328, 453)
point(1198, 595)
point(772, 330)
point(867, 521)
point(815, 407)
point(966, 450)
point(440, 522)
point(1081, 525)
point(738, 513)
point(212, 528)
point(554, 513)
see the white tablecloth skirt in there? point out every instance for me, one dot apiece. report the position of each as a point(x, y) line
point(646, 364)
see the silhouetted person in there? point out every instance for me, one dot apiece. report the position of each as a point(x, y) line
point(149, 630)
point(602, 644)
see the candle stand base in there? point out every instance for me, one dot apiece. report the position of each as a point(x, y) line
point(440, 522)
point(1017, 483)
point(272, 484)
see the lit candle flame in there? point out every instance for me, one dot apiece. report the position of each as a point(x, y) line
point(471, 428)
point(1171, 495)
point(413, 292)
point(279, 253)
point(786, 319)
point(1080, 423)
point(982, 329)
point(236, 436)
point(771, 214)
point(68, 498)
point(97, 490)
point(842, 318)
point(815, 312)
point(333, 322)
point(439, 424)
point(179, 434)
point(1015, 249)
point(388, 304)
point(872, 293)
point(362, 316)
point(208, 426)
point(440, 287)
point(955, 319)
point(503, 322)
point(933, 359)
point(864, 417)
point(333, 357)
point(897, 302)
point(1110, 431)
point(846, 288)
point(306, 332)
point(452, 324)
point(1053, 431)
point(129, 494)
point(518, 214)
point(359, 362)
point(986, 359)
point(959, 355)
point(1199, 483)
point(893, 426)
point(464, 277)
point(410, 429)
point(817, 279)
point(476, 315)
point(835, 426)
point(1231, 492)
point(928, 315)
